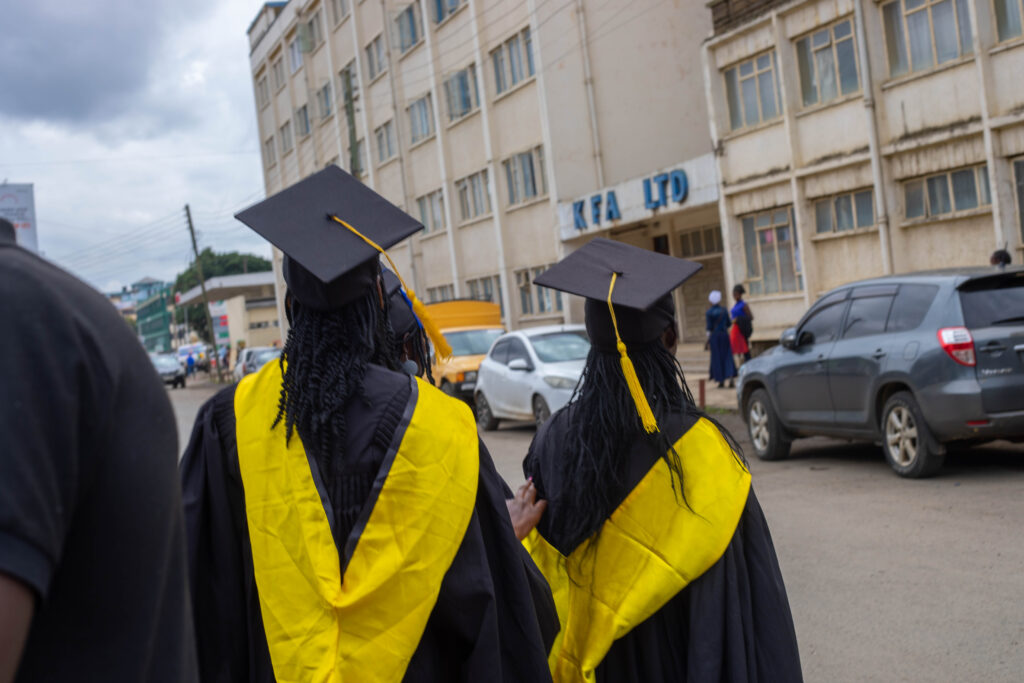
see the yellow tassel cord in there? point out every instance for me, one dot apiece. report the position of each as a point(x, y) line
point(643, 408)
point(441, 346)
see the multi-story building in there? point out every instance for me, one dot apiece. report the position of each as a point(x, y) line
point(515, 131)
point(856, 138)
point(155, 320)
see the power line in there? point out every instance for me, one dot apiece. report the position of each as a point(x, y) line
point(98, 160)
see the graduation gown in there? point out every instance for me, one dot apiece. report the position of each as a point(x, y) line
point(731, 623)
point(493, 618)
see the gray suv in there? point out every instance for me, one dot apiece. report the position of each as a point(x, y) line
point(912, 362)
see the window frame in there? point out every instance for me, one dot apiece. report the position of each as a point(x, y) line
point(520, 46)
point(385, 133)
point(270, 151)
point(982, 193)
point(773, 68)
point(340, 9)
point(833, 47)
point(431, 209)
point(755, 285)
point(1020, 20)
point(376, 58)
point(425, 103)
point(444, 9)
point(286, 138)
point(473, 192)
point(855, 212)
point(515, 178)
point(325, 101)
point(294, 54)
point(279, 79)
point(472, 88)
point(415, 25)
point(926, 6)
point(302, 116)
point(262, 92)
point(316, 33)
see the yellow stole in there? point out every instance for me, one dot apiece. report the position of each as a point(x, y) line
point(650, 548)
point(362, 622)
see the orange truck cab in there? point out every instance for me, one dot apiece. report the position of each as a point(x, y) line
point(470, 326)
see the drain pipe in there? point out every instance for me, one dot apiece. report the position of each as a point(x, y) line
point(881, 206)
point(588, 82)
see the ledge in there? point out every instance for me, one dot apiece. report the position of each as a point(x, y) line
point(768, 298)
point(448, 18)
point(1007, 45)
point(749, 130)
point(376, 78)
point(387, 162)
point(412, 48)
point(827, 236)
point(528, 203)
point(822, 106)
point(465, 117)
point(420, 143)
point(918, 75)
point(954, 216)
point(433, 235)
point(515, 88)
point(478, 219)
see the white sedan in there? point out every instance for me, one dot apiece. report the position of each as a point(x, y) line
point(529, 374)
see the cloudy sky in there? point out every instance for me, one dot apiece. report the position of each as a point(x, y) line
point(122, 111)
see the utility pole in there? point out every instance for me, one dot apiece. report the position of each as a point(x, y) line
point(202, 286)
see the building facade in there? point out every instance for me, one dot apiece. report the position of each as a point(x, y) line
point(498, 123)
point(155, 320)
point(242, 308)
point(857, 138)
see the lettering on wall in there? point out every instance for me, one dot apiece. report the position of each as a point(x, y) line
point(659, 191)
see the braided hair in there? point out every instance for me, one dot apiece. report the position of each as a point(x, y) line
point(324, 364)
point(603, 428)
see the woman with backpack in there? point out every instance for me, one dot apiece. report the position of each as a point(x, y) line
point(742, 324)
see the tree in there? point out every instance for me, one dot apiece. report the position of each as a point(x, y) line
point(214, 265)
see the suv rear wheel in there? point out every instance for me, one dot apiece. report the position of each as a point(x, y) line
point(906, 440)
point(766, 433)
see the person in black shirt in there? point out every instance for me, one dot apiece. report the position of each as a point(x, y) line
point(92, 552)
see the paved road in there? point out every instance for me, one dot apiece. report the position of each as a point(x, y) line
point(889, 579)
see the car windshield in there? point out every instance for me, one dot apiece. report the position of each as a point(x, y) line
point(165, 364)
point(994, 301)
point(557, 347)
point(472, 342)
point(264, 357)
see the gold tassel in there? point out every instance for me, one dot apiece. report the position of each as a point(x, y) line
point(442, 348)
point(643, 408)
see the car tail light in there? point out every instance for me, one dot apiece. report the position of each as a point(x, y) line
point(958, 343)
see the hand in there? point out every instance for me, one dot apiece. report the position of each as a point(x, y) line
point(525, 510)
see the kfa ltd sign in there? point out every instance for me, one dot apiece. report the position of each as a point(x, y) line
point(658, 190)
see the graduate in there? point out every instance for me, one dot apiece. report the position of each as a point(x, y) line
point(655, 547)
point(344, 522)
point(410, 337)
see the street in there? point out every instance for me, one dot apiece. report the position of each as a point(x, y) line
point(889, 579)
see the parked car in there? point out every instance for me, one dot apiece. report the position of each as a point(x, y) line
point(529, 374)
point(252, 359)
point(913, 362)
point(470, 326)
point(169, 369)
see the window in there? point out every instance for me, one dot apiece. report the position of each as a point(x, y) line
point(1018, 172)
point(844, 212)
point(444, 9)
point(316, 34)
point(461, 93)
point(487, 289)
point(295, 54)
point(285, 136)
point(324, 100)
point(432, 211)
point(752, 91)
point(442, 293)
point(920, 34)
point(936, 195)
point(348, 82)
point(513, 61)
point(339, 10)
point(867, 316)
point(421, 119)
point(701, 243)
point(548, 300)
point(277, 73)
point(911, 304)
point(269, 155)
point(525, 175)
point(360, 158)
point(1008, 13)
point(474, 198)
point(262, 96)
point(772, 253)
point(385, 141)
point(828, 64)
point(525, 292)
point(302, 120)
point(823, 324)
point(410, 28)
point(376, 60)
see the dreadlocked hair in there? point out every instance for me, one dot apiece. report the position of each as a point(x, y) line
point(604, 427)
point(418, 342)
point(324, 362)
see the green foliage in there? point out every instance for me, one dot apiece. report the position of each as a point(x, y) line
point(214, 265)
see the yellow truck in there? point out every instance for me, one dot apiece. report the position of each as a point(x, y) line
point(470, 326)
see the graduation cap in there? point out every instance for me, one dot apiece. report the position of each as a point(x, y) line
point(626, 284)
point(403, 320)
point(331, 228)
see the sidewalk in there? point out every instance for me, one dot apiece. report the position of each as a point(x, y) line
point(695, 361)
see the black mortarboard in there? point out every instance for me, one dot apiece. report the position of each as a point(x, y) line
point(628, 291)
point(327, 264)
point(403, 320)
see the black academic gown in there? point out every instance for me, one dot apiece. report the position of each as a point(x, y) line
point(732, 624)
point(494, 619)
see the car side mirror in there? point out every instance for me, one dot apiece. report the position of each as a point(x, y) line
point(788, 339)
point(806, 338)
point(519, 364)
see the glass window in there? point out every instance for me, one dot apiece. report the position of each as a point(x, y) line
point(409, 29)
point(262, 95)
point(461, 93)
point(525, 292)
point(969, 191)
point(965, 194)
point(277, 71)
point(773, 258)
point(302, 120)
point(938, 195)
point(823, 216)
point(474, 199)
point(752, 92)
point(844, 212)
point(1008, 13)
point(865, 202)
point(823, 325)
point(295, 54)
point(986, 197)
point(376, 60)
point(421, 119)
point(558, 347)
point(911, 304)
point(914, 199)
point(339, 10)
point(867, 316)
point(285, 136)
point(269, 153)
point(521, 175)
point(444, 9)
point(512, 61)
point(936, 31)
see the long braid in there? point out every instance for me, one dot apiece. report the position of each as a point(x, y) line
point(603, 428)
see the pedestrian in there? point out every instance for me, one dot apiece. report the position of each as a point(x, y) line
point(654, 544)
point(717, 324)
point(190, 364)
point(410, 337)
point(7, 233)
point(742, 324)
point(93, 582)
point(345, 521)
point(1000, 258)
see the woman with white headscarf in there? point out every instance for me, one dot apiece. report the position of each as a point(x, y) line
point(717, 318)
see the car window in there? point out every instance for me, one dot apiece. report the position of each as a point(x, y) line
point(910, 306)
point(994, 301)
point(823, 324)
point(472, 342)
point(516, 349)
point(499, 354)
point(561, 346)
point(867, 316)
point(165, 364)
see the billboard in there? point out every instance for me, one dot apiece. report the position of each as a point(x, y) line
point(18, 206)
